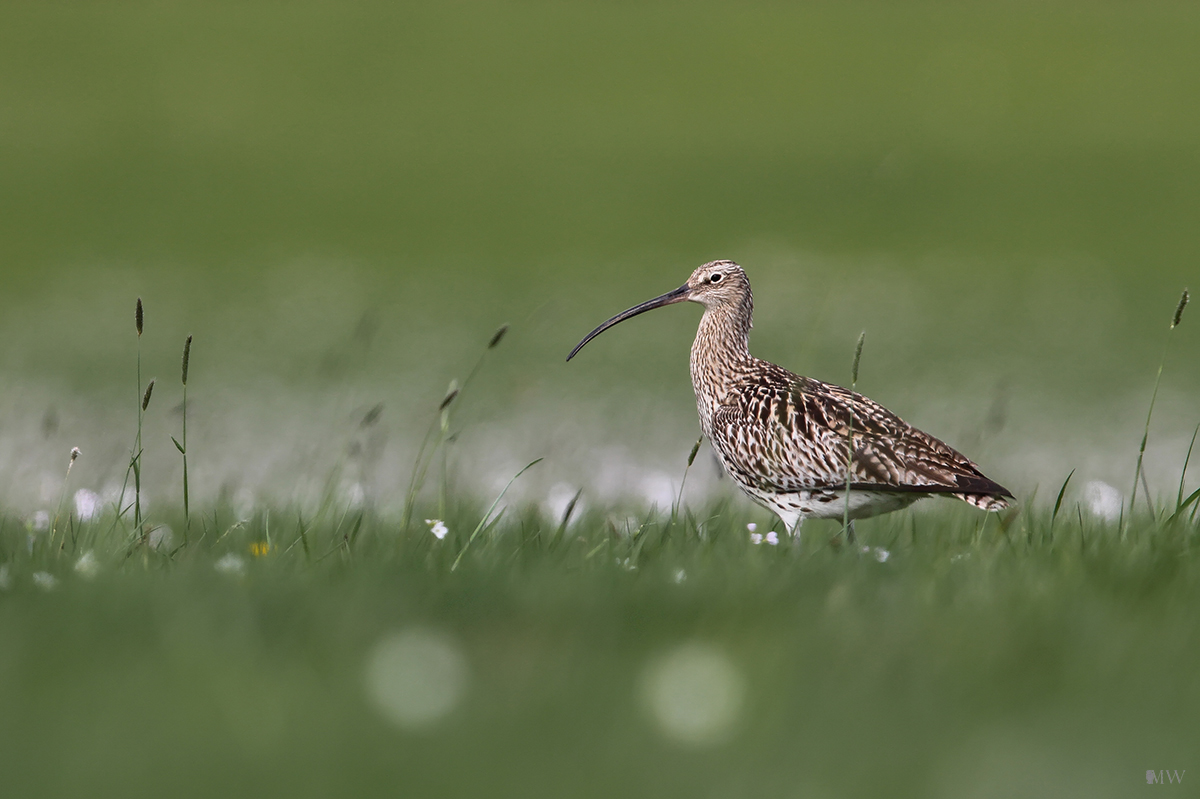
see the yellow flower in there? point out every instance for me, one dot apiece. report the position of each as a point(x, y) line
point(260, 548)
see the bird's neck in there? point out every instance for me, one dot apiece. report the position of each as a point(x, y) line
point(720, 355)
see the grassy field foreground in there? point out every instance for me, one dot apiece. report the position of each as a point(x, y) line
point(613, 657)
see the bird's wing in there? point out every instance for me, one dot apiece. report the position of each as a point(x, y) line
point(790, 433)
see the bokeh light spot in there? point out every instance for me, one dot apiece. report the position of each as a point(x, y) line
point(695, 694)
point(415, 677)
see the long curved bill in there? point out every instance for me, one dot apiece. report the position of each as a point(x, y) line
point(678, 295)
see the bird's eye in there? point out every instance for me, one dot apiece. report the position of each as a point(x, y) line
point(715, 278)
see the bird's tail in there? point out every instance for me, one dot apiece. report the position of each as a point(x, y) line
point(988, 502)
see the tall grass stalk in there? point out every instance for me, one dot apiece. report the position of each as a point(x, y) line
point(683, 482)
point(141, 522)
point(1137, 474)
point(442, 441)
point(62, 495)
point(182, 446)
point(136, 461)
point(440, 426)
point(850, 436)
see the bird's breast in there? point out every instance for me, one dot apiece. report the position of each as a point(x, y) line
point(719, 356)
point(711, 393)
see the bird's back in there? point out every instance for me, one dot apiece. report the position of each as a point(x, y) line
point(779, 432)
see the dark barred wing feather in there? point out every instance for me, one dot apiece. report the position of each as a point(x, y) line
point(782, 432)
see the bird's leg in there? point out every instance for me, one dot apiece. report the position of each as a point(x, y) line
point(851, 538)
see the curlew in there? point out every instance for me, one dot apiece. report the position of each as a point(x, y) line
point(787, 440)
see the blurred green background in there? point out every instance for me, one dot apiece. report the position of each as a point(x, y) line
point(342, 202)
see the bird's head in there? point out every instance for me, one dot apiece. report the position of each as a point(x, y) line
point(717, 284)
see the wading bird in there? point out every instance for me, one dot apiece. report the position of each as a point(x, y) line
point(787, 440)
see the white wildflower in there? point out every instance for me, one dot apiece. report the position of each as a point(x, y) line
point(45, 580)
point(87, 504)
point(438, 528)
point(752, 527)
point(773, 538)
point(882, 554)
point(40, 521)
point(87, 566)
point(231, 564)
point(756, 538)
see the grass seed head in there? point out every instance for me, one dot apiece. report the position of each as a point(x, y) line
point(1183, 301)
point(139, 317)
point(187, 356)
point(497, 336)
point(146, 396)
point(75, 453)
point(858, 355)
point(372, 416)
point(451, 393)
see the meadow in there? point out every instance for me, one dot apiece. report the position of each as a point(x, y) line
point(413, 557)
point(692, 650)
point(652, 656)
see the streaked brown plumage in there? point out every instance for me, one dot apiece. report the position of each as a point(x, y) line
point(783, 438)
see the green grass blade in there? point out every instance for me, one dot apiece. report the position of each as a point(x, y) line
point(1183, 475)
point(491, 508)
point(1184, 505)
point(1061, 492)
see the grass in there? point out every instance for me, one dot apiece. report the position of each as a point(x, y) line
point(1176, 318)
point(1064, 650)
